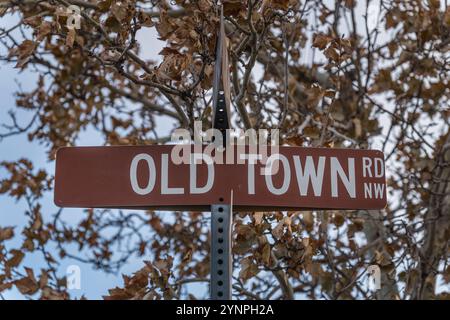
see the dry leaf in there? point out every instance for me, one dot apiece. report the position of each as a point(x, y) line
point(6, 233)
point(16, 258)
point(258, 216)
point(26, 285)
point(70, 38)
point(321, 40)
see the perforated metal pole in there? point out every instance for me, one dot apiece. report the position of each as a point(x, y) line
point(221, 261)
point(221, 214)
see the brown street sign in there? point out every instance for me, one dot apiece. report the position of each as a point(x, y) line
point(147, 177)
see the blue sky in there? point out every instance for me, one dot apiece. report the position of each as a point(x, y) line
point(94, 283)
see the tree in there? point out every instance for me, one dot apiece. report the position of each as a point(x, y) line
point(336, 74)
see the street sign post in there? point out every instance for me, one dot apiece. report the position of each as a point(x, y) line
point(221, 214)
point(284, 178)
point(146, 177)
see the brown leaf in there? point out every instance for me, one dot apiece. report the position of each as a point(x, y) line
point(104, 5)
point(266, 253)
point(16, 258)
point(172, 66)
point(350, 3)
point(338, 219)
point(315, 94)
point(3, 11)
point(6, 233)
point(24, 52)
point(308, 219)
point(248, 269)
point(44, 30)
point(118, 294)
point(358, 127)
point(5, 286)
point(232, 7)
point(258, 216)
point(26, 285)
point(145, 19)
point(30, 274)
point(164, 27)
point(332, 54)
point(37, 224)
point(43, 280)
point(70, 39)
point(120, 11)
point(33, 21)
point(280, 4)
point(166, 51)
point(277, 232)
point(204, 5)
point(321, 40)
point(390, 20)
point(112, 24)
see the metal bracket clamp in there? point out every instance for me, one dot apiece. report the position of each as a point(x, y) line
point(221, 258)
point(221, 84)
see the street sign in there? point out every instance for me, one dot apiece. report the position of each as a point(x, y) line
point(281, 178)
point(147, 177)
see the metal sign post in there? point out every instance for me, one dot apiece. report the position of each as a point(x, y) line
point(221, 262)
point(146, 177)
point(221, 214)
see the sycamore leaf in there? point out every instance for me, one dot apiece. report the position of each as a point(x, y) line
point(23, 52)
point(16, 258)
point(145, 19)
point(26, 285)
point(5, 286)
point(43, 280)
point(112, 24)
point(280, 4)
point(350, 3)
point(277, 232)
point(6, 233)
point(104, 5)
point(44, 29)
point(258, 216)
point(321, 40)
point(232, 7)
point(266, 253)
point(358, 127)
point(332, 54)
point(248, 269)
point(119, 11)
point(118, 294)
point(70, 39)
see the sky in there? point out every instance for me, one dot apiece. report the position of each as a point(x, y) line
point(94, 283)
